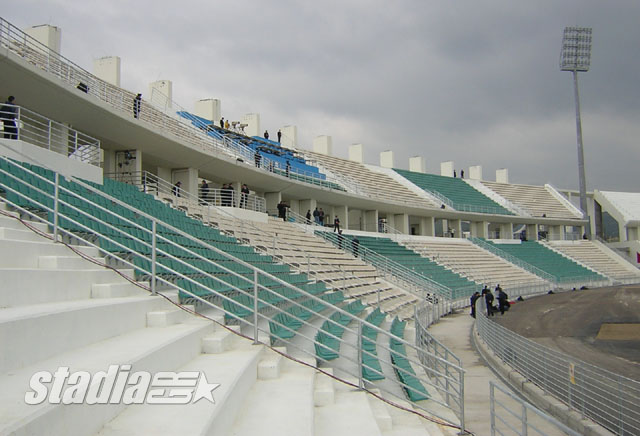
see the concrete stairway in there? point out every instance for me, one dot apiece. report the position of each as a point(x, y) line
point(61, 310)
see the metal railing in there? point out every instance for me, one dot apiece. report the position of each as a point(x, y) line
point(424, 287)
point(426, 314)
point(514, 260)
point(152, 184)
point(510, 415)
point(66, 206)
point(611, 400)
point(159, 111)
point(25, 125)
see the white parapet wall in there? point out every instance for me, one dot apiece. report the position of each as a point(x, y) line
point(502, 175)
point(209, 109)
point(253, 124)
point(323, 144)
point(50, 36)
point(356, 153)
point(161, 93)
point(417, 164)
point(475, 172)
point(289, 136)
point(108, 69)
point(387, 159)
point(446, 168)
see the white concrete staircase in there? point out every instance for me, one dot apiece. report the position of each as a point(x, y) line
point(60, 310)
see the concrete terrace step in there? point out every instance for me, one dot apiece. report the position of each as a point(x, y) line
point(13, 223)
point(150, 349)
point(281, 406)
point(349, 415)
point(41, 331)
point(66, 262)
point(235, 371)
point(15, 253)
point(26, 286)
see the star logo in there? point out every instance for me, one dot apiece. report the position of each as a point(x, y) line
point(205, 390)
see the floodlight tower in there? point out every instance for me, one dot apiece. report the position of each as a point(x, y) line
point(576, 56)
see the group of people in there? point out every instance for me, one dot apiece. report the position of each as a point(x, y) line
point(489, 298)
point(318, 216)
point(282, 210)
point(227, 194)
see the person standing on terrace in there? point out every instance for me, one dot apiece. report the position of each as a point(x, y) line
point(137, 103)
point(8, 115)
point(266, 134)
point(336, 224)
point(279, 135)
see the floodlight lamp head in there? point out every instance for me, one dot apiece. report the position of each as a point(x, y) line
point(576, 49)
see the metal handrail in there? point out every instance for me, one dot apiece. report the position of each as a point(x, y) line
point(36, 129)
point(153, 184)
point(501, 411)
point(423, 287)
point(609, 399)
point(157, 250)
point(516, 261)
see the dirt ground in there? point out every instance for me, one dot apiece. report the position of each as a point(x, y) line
point(570, 321)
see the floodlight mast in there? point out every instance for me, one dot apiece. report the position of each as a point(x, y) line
point(576, 56)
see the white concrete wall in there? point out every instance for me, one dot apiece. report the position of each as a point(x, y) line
point(502, 175)
point(475, 172)
point(387, 159)
point(209, 109)
point(253, 125)
point(417, 164)
point(160, 94)
point(356, 153)
point(323, 144)
point(289, 136)
point(108, 69)
point(25, 152)
point(446, 168)
point(51, 36)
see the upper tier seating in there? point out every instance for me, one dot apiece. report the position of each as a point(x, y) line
point(549, 261)
point(280, 157)
point(370, 183)
point(598, 257)
point(467, 259)
point(460, 286)
point(462, 196)
point(534, 199)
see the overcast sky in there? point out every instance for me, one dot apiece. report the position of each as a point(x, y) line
point(475, 82)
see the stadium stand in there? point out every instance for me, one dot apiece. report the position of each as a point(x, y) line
point(563, 269)
point(535, 199)
point(370, 183)
point(461, 286)
point(460, 195)
point(473, 262)
point(598, 257)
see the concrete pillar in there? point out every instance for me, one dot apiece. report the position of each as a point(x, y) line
point(506, 231)
point(323, 144)
point(343, 215)
point(253, 125)
point(475, 172)
point(632, 233)
point(50, 36)
point(160, 94)
point(532, 232)
point(289, 136)
point(209, 109)
point(456, 226)
point(305, 205)
point(272, 199)
point(556, 233)
point(108, 69)
point(446, 168)
point(356, 153)
point(386, 159)
point(391, 222)
point(480, 229)
point(370, 221)
point(294, 206)
point(189, 179)
point(502, 175)
point(427, 226)
point(401, 221)
point(417, 164)
point(355, 219)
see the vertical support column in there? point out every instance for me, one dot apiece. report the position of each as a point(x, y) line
point(506, 231)
point(154, 233)
point(255, 307)
point(342, 212)
point(391, 221)
point(454, 226)
point(556, 233)
point(401, 221)
point(532, 232)
point(370, 221)
point(189, 179)
point(56, 199)
point(272, 199)
point(480, 229)
point(427, 226)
